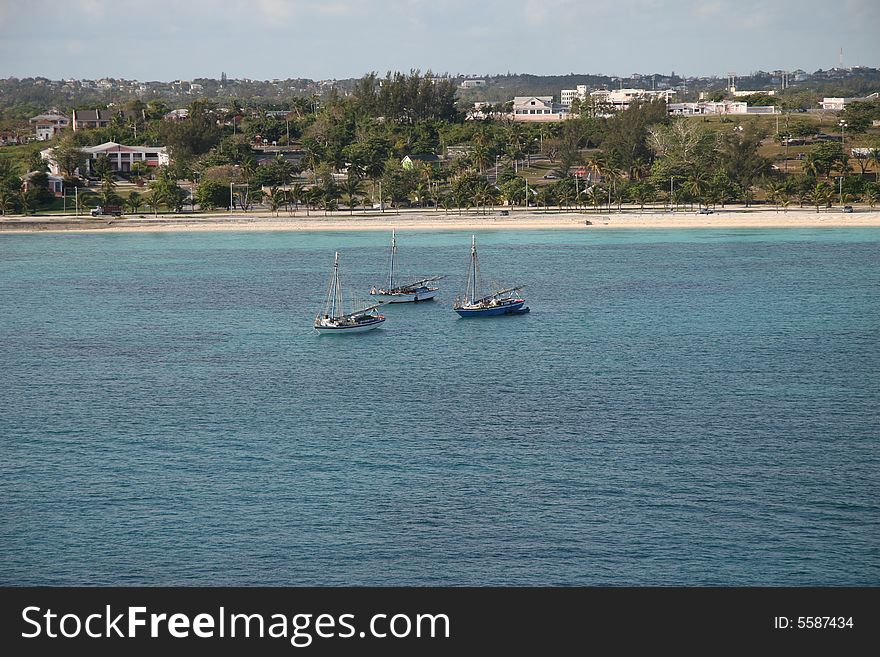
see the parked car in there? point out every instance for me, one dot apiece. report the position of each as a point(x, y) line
point(847, 208)
point(707, 211)
point(504, 213)
point(550, 176)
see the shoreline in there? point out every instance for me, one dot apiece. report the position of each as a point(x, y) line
point(431, 220)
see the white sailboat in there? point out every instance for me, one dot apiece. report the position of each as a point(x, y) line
point(334, 319)
point(414, 292)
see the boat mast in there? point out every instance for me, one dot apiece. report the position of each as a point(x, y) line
point(393, 251)
point(334, 296)
point(473, 286)
point(338, 306)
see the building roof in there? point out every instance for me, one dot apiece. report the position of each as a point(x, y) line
point(99, 114)
point(122, 148)
point(423, 157)
point(48, 116)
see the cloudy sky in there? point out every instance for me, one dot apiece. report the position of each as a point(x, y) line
point(325, 39)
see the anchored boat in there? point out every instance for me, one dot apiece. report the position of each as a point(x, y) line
point(334, 319)
point(420, 290)
point(477, 304)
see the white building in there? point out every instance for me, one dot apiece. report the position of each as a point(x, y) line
point(837, 104)
point(706, 108)
point(739, 93)
point(121, 157)
point(472, 84)
point(615, 100)
point(567, 96)
point(48, 125)
point(538, 108)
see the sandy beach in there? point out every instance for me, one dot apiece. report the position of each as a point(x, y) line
point(518, 219)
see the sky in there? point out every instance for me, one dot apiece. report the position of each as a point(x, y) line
point(337, 39)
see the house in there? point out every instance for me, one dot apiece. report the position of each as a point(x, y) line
point(176, 115)
point(472, 84)
point(121, 157)
point(538, 108)
point(49, 124)
point(425, 158)
point(459, 151)
point(101, 118)
point(54, 183)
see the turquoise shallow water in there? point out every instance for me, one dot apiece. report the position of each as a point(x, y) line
point(693, 407)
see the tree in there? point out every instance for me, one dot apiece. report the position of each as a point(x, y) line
point(108, 194)
point(139, 170)
point(27, 200)
point(37, 163)
point(134, 202)
point(7, 201)
point(596, 196)
point(626, 139)
point(193, 136)
point(643, 192)
point(738, 152)
point(275, 199)
point(101, 166)
point(546, 196)
point(824, 159)
point(211, 194)
point(822, 195)
point(775, 190)
point(165, 190)
point(70, 158)
point(352, 188)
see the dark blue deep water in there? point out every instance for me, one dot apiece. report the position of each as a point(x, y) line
point(696, 407)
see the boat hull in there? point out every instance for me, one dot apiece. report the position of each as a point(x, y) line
point(494, 311)
point(357, 328)
point(415, 297)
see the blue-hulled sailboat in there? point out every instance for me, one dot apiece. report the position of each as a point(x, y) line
point(476, 304)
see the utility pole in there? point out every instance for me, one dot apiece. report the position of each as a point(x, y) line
point(231, 202)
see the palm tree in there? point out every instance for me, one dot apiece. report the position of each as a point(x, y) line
point(352, 188)
point(870, 196)
point(27, 200)
point(83, 201)
point(596, 195)
point(108, 191)
point(134, 202)
point(275, 199)
point(695, 187)
point(774, 192)
point(154, 200)
point(643, 193)
point(821, 195)
point(784, 201)
point(7, 201)
point(546, 196)
point(296, 195)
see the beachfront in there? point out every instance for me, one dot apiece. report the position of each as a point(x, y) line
point(731, 217)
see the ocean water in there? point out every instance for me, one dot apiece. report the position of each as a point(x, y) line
point(681, 407)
